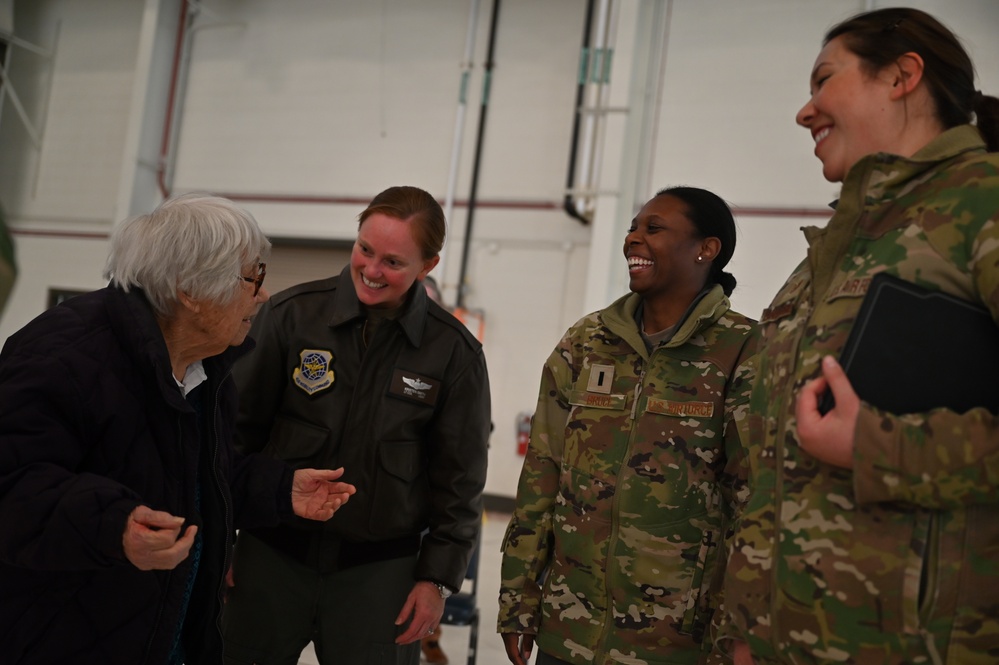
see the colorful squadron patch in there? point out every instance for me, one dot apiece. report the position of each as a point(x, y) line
point(314, 373)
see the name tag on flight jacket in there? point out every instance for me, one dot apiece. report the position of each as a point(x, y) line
point(414, 387)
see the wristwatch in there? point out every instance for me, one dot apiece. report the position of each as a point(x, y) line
point(443, 591)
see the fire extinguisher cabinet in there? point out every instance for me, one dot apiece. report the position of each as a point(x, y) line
point(523, 431)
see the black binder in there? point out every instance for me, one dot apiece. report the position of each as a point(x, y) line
point(912, 350)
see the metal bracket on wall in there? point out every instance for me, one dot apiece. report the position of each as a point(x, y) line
point(8, 40)
point(591, 110)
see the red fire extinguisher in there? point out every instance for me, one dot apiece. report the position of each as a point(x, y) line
point(523, 431)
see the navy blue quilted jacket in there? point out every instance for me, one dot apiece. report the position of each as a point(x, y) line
point(92, 424)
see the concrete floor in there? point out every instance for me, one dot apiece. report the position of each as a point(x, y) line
point(454, 639)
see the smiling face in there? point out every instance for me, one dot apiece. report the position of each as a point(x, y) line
point(386, 261)
point(851, 114)
point(662, 247)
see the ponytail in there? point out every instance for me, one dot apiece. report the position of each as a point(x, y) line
point(986, 109)
point(724, 279)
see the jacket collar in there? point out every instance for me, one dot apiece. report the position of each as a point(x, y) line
point(134, 322)
point(890, 172)
point(872, 181)
point(348, 308)
point(619, 317)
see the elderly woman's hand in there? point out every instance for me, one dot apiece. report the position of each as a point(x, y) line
point(315, 496)
point(828, 437)
point(152, 539)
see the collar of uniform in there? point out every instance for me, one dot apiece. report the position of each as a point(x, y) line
point(953, 142)
point(619, 317)
point(885, 172)
point(871, 181)
point(414, 315)
point(347, 307)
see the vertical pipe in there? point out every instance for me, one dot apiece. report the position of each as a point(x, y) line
point(569, 204)
point(459, 130)
point(483, 108)
point(164, 173)
point(608, 26)
point(593, 111)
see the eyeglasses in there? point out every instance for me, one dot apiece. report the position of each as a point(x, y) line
point(258, 280)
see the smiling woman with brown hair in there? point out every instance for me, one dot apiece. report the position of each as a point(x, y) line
point(363, 370)
point(873, 536)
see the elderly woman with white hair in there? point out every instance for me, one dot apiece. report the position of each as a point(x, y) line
point(119, 488)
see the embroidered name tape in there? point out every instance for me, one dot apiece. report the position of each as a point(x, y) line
point(597, 401)
point(668, 407)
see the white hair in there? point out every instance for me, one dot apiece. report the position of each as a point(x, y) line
point(195, 243)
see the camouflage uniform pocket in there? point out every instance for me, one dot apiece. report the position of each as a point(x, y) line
point(665, 569)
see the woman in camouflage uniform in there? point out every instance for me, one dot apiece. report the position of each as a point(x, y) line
point(871, 537)
point(612, 553)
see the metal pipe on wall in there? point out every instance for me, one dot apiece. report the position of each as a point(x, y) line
point(569, 204)
point(606, 31)
point(591, 111)
point(459, 131)
point(473, 193)
point(164, 170)
point(591, 104)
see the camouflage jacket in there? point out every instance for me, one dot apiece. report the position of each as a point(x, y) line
point(897, 560)
point(610, 555)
